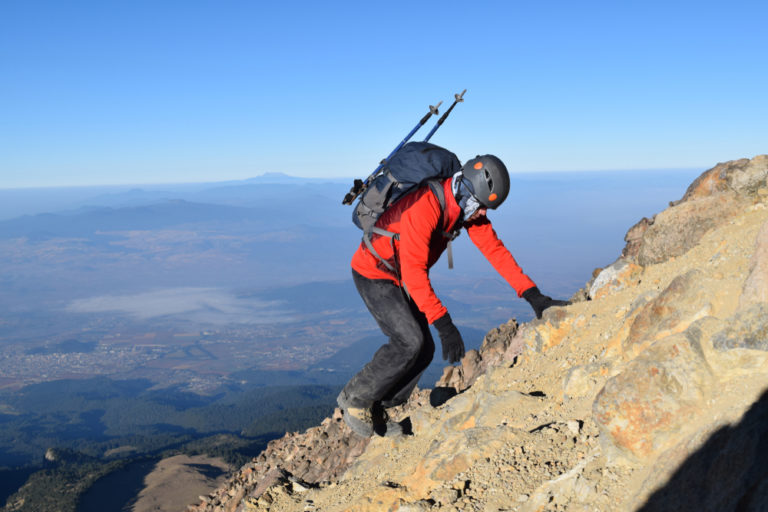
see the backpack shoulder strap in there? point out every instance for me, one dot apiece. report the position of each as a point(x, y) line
point(437, 188)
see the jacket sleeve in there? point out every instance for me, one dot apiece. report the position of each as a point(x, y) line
point(482, 234)
point(417, 225)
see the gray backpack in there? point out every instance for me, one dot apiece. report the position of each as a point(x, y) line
point(414, 165)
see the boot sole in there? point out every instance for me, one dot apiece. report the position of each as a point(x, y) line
point(358, 426)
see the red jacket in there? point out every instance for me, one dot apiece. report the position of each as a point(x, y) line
point(421, 224)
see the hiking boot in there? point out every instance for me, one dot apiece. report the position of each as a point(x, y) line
point(359, 419)
point(382, 424)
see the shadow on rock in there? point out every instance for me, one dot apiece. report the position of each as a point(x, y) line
point(728, 473)
point(441, 394)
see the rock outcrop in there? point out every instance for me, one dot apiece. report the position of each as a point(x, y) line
point(647, 393)
point(714, 198)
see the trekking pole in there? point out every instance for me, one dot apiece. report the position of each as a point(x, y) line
point(360, 185)
point(459, 99)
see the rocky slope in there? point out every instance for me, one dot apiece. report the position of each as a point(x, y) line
point(645, 394)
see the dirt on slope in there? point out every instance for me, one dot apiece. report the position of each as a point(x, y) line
point(179, 479)
point(647, 396)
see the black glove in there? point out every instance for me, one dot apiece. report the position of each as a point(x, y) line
point(541, 302)
point(453, 345)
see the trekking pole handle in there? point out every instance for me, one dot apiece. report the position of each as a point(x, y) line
point(353, 192)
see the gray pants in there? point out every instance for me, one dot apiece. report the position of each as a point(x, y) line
point(395, 369)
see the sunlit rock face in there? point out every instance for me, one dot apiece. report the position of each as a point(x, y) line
point(645, 394)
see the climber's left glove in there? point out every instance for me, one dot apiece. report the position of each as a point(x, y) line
point(453, 344)
point(541, 302)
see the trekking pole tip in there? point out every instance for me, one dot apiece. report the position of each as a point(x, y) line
point(460, 97)
point(433, 109)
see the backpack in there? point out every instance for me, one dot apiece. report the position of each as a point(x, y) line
point(414, 165)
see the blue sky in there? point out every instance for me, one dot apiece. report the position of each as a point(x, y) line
point(115, 92)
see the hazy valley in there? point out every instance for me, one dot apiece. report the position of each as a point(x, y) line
point(134, 321)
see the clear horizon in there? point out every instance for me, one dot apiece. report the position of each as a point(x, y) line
point(329, 178)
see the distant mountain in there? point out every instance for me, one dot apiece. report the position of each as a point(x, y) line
point(31, 201)
point(277, 177)
point(271, 205)
point(88, 221)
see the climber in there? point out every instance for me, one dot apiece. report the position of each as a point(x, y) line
point(403, 302)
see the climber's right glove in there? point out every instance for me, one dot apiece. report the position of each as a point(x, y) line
point(540, 302)
point(450, 337)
